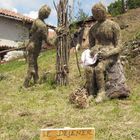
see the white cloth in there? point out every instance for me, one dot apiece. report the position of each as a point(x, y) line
point(86, 58)
point(13, 55)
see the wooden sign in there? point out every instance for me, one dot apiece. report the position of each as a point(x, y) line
point(68, 134)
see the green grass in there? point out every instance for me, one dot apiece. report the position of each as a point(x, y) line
point(23, 112)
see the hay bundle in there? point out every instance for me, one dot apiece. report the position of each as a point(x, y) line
point(80, 98)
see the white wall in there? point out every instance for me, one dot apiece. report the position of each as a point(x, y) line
point(12, 30)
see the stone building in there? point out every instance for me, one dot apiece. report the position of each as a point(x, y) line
point(14, 29)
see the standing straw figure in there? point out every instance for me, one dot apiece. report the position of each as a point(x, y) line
point(38, 34)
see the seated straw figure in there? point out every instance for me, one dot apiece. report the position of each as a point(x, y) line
point(105, 78)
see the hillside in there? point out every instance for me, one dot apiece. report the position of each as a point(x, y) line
point(130, 21)
point(130, 24)
point(23, 112)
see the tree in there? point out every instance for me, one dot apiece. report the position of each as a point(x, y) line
point(115, 8)
point(123, 6)
point(132, 4)
point(119, 6)
point(81, 15)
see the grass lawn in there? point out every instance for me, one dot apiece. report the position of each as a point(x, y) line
point(23, 112)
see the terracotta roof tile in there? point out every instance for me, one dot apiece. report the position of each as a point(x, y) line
point(14, 15)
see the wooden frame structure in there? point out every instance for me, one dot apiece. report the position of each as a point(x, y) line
point(62, 43)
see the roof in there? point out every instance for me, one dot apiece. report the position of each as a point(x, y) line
point(89, 20)
point(8, 43)
point(81, 22)
point(15, 16)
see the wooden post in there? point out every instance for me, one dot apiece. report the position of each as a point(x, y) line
point(62, 44)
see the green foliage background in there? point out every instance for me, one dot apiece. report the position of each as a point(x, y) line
point(115, 8)
point(133, 4)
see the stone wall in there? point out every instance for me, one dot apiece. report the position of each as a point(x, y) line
point(12, 32)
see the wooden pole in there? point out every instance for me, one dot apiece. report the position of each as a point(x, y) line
point(62, 44)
